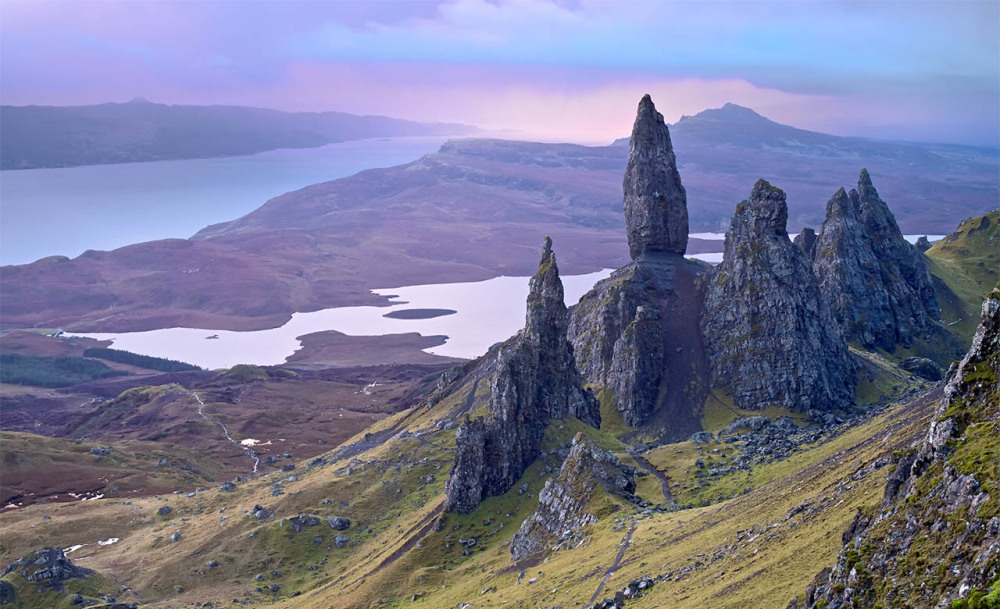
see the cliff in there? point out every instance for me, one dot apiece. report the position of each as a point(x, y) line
point(534, 381)
point(935, 539)
point(769, 335)
point(636, 332)
point(876, 283)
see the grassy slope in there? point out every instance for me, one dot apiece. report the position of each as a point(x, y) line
point(968, 263)
point(393, 507)
point(41, 466)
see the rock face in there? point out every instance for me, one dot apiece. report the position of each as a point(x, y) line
point(922, 367)
point(876, 283)
point(770, 338)
point(562, 504)
point(636, 332)
point(655, 202)
point(535, 380)
point(940, 503)
point(48, 565)
point(807, 241)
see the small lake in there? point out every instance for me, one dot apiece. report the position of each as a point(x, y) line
point(66, 211)
point(486, 312)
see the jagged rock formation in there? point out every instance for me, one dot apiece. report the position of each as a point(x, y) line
point(48, 565)
point(655, 201)
point(535, 380)
point(936, 536)
point(807, 241)
point(563, 503)
point(876, 283)
point(636, 332)
point(770, 338)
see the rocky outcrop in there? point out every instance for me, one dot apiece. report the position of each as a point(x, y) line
point(922, 367)
point(655, 201)
point(535, 380)
point(807, 241)
point(769, 336)
point(48, 565)
point(563, 503)
point(876, 283)
point(636, 332)
point(936, 536)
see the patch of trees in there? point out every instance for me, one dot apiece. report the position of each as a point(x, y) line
point(142, 361)
point(46, 371)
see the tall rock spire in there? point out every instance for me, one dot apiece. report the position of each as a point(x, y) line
point(770, 338)
point(876, 283)
point(535, 380)
point(655, 201)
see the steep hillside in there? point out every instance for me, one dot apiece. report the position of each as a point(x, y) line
point(966, 264)
point(935, 538)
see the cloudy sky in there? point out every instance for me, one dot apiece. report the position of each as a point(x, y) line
point(554, 69)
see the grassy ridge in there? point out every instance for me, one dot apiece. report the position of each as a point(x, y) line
point(142, 361)
point(46, 371)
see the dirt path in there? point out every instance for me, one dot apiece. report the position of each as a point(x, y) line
point(664, 483)
point(249, 451)
point(614, 566)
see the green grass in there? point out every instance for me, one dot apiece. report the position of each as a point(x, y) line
point(719, 411)
point(142, 361)
point(46, 371)
point(612, 422)
point(968, 262)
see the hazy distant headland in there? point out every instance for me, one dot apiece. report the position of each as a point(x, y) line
point(68, 136)
point(477, 209)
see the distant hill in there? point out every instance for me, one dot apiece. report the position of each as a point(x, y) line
point(49, 136)
point(721, 152)
point(476, 209)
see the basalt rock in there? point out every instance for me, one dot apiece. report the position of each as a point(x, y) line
point(770, 337)
point(48, 565)
point(535, 380)
point(940, 503)
point(636, 332)
point(876, 283)
point(807, 241)
point(563, 503)
point(922, 367)
point(655, 201)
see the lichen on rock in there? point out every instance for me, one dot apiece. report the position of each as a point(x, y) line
point(769, 335)
point(877, 284)
point(535, 380)
point(563, 504)
point(655, 201)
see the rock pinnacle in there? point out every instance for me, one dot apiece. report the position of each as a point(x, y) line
point(655, 201)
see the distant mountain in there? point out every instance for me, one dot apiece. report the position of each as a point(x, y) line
point(50, 136)
point(723, 151)
point(477, 209)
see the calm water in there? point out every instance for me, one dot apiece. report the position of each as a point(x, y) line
point(44, 212)
point(487, 312)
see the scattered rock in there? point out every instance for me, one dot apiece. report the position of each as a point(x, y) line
point(47, 565)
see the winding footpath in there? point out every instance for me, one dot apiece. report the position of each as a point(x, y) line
point(664, 483)
point(249, 451)
point(626, 542)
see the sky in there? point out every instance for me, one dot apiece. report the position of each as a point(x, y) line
point(570, 70)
